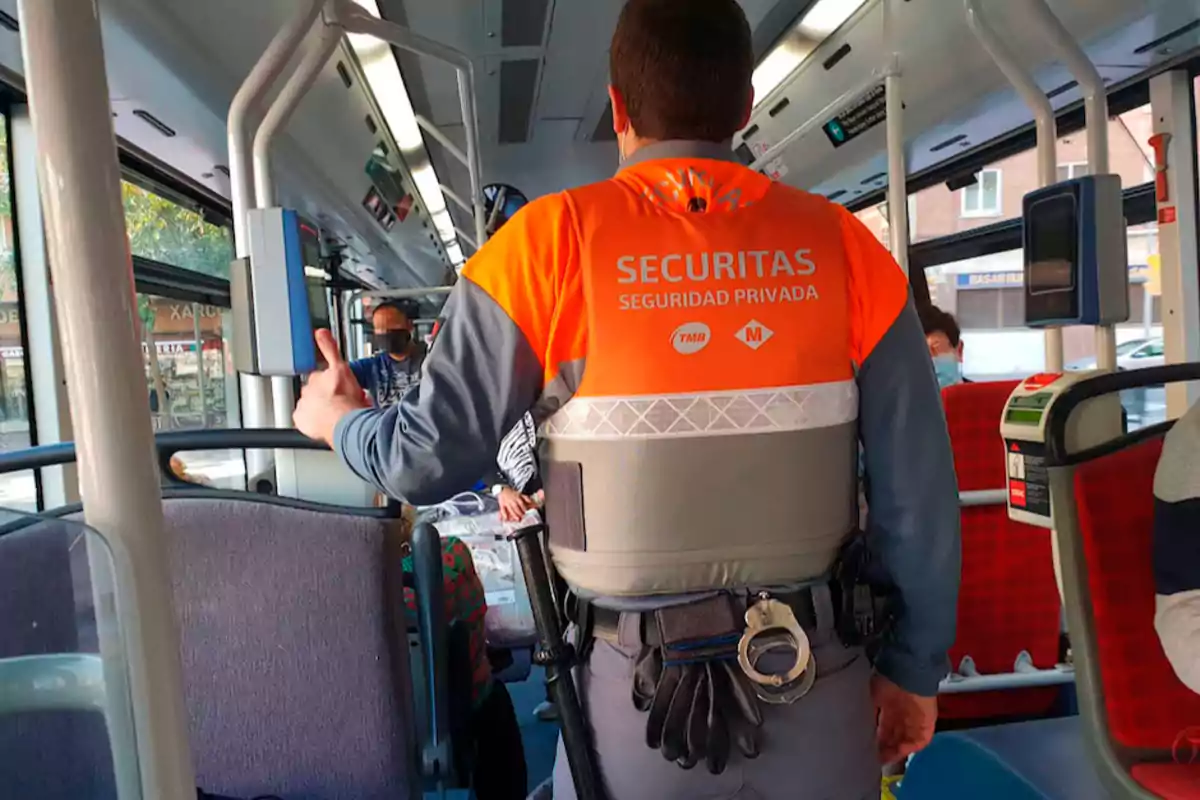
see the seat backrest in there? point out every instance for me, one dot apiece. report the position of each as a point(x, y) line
point(296, 672)
point(46, 608)
point(1008, 600)
point(1146, 704)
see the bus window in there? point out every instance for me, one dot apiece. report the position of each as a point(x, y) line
point(190, 380)
point(17, 490)
point(164, 231)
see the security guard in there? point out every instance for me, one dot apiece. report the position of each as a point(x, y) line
point(704, 350)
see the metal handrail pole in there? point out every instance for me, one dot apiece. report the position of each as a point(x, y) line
point(94, 292)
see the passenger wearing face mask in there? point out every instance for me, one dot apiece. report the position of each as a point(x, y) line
point(396, 365)
point(945, 345)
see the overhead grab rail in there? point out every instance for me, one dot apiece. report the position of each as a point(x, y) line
point(1047, 134)
point(356, 20)
point(897, 171)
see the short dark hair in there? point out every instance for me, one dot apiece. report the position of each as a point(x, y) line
point(683, 67)
point(935, 320)
point(395, 306)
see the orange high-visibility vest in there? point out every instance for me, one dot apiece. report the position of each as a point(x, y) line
point(700, 405)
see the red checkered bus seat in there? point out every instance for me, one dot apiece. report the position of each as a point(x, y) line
point(1147, 706)
point(1009, 600)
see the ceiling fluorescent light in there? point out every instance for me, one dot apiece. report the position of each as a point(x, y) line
point(383, 76)
point(455, 253)
point(827, 16)
point(778, 64)
point(814, 27)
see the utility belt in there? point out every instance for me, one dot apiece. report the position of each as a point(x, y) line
point(697, 672)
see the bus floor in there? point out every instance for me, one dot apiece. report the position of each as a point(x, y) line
point(539, 738)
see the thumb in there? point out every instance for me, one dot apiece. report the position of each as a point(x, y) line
point(328, 347)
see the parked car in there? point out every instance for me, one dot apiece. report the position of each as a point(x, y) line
point(1134, 354)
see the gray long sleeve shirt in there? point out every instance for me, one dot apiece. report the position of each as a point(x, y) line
point(484, 373)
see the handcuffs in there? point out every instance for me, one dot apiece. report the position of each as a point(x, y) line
point(771, 625)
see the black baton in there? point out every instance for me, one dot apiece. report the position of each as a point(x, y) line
point(556, 656)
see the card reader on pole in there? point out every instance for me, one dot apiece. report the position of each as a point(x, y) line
point(1076, 273)
point(274, 310)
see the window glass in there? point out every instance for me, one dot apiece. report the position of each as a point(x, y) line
point(190, 379)
point(876, 220)
point(17, 489)
point(941, 212)
point(982, 198)
point(1068, 172)
point(164, 231)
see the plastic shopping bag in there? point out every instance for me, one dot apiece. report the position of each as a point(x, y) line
point(509, 620)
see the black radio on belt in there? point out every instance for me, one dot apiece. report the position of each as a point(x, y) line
point(864, 609)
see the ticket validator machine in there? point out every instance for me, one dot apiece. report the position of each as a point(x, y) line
point(1076, 273)
point(277, 309)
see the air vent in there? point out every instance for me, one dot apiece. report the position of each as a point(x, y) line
point(371, 124)
point(221, 168)
point(9, 21)
point(1066, 87)
point(344, 74)
point(878, 176)
point(753, 129)
point(1175, 34)
point(744, 154)
point(518, 84)
point(953, 140)
point(604, 126)
point(523, 22)
point(154, 122)
point(780, 106)
point(835, 195)
point(383, 149)
point(833, 60)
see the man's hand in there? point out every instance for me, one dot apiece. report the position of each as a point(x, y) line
point(329, 394)
point(513, 504)
point(905, 721)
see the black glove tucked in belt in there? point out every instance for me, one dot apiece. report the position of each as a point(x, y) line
point(699, 701)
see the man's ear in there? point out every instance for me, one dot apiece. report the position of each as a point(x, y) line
point(748, 110)
point(620, 112)
point(959, 350)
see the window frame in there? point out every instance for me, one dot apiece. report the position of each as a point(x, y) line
point(1072, 168)
point(6, 101)
point(983, 212)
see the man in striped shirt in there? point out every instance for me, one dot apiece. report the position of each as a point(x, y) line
point(1177, 548)
point(516, 484)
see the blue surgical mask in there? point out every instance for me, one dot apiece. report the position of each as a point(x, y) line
point(948, 369)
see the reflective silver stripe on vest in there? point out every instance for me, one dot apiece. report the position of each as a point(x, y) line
point(682, 493)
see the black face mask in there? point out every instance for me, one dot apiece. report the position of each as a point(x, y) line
point(394, 342)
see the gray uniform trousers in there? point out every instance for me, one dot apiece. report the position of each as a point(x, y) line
point(820, 748)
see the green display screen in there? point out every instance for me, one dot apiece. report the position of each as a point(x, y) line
point(1024, 416)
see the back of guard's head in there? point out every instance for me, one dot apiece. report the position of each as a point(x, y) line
point(683, 68)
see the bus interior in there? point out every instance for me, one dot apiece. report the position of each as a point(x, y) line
point(402, 133)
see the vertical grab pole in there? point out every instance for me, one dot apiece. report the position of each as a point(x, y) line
point(94, 295)
point(1047, 134)
point(256, 390)
point(897, 169)
point(293, 91)
point(1095, 100)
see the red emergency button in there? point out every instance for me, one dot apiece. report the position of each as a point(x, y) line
point(1041, 380)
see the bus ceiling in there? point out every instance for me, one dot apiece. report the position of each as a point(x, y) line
point(372, 151)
